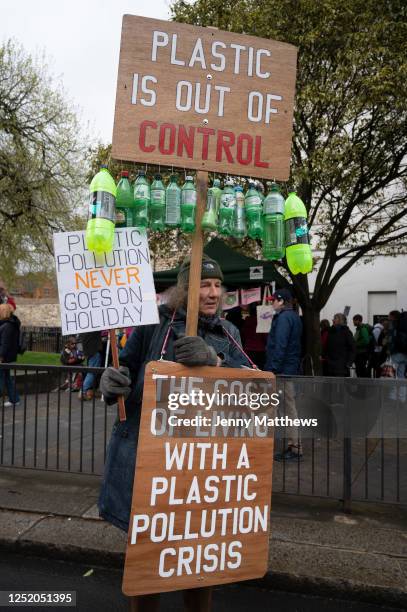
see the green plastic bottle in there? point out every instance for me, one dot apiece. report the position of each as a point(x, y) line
point(188, 205)
point(210, 216)
point(124, 201)
point(173, 203)
point(239, 221)
point(227, 209)
point(157, 205)
point(99, 235)
point(273, 224)
point(141, 201)
point(254, 212)
point(297, 247)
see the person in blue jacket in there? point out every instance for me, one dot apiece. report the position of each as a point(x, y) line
point(283, 356)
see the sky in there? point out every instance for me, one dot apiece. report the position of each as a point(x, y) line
point(81, 42)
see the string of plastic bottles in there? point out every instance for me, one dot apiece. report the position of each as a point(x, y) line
point(280, 224)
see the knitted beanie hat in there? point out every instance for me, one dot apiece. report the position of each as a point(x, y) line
point(210, 269)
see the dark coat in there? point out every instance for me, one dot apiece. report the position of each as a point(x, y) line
point(91, 343)
point(9, 338)
point(145, 344)
point(340, 350)
point(284, 343)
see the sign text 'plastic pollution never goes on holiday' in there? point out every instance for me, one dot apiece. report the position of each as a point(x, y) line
point(106, 290)
point(205, 99)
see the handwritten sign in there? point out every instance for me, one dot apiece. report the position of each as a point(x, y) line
point(201, 499)
point(108, 290)
point(205, 99)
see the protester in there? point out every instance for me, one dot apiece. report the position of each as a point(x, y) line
point(72, 356)
point(7, 299)
point(398, 341)
point(324, 327)
point(93, 351)
point(253, 343)
point(362, 341)
point(9, 341)
point(340, 348)
point(217, 344)
point(283, 356)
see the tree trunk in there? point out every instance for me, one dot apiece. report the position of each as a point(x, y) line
point(312, 341)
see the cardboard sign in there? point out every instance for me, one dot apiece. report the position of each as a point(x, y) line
point(202, 486)
point(202, 98)
point(248, 296)
point(107, 290)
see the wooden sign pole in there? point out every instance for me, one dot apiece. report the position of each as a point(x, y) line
point(196, 256)
point(197, 600)
point(115, 359)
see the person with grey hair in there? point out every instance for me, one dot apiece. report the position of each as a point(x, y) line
point(340, 347)
point(217, 344)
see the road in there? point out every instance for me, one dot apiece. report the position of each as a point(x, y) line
point(102, 590)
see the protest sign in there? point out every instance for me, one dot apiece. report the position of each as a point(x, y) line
point(202, 486)
point(202, 98)
point(248, 296)
point(107, 290)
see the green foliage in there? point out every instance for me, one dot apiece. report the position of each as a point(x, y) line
point(349, 146)
point(41, 163)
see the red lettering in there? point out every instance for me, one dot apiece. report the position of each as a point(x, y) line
point(161, 141)
point(245, 161)
point(257, 154)
point(186, 141)
point(142, 138)
point(205, 141)
point(225, 141)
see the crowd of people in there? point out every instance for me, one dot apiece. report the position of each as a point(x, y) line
point(374, 351)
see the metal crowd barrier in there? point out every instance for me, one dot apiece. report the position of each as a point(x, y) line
point(358, 451)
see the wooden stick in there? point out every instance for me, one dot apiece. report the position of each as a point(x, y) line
point(194, 282)
point(115, 357)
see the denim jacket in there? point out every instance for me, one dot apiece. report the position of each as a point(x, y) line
point(145, 344)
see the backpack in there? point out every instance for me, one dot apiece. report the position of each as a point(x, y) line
point(401, 334)
point(22, 342)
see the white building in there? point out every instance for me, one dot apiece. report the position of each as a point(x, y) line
point(370, 289)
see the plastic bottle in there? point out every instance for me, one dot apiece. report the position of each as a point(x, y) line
point(227, 209)
point(99, 235)
point(157, 205)
point(273, 224)
point(210, 216)
point(173, 203)
point(124, 201)
point(188, 205)
point(254, 212)
point(297, 247)
point(239, 221)
point(141, 201)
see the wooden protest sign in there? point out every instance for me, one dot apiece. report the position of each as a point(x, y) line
point(202, 98)
point(201, 496)
point(106, 290)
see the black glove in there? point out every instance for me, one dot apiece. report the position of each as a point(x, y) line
point(115, 382)
point(193, 351)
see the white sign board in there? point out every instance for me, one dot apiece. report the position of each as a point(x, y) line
point(256, 273)
point(106, 290)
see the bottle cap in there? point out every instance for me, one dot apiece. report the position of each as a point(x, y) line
point(174, 178)
point(229, 182)
point(124, 173)
point(141, 173)
point(103, 166)
point(238, 188)
point(157, 177)
point(216, 182)
point(189, 179)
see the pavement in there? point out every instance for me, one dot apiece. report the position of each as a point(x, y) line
point(314, 547)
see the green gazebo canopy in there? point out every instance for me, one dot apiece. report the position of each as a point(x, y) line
point(238, 270)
